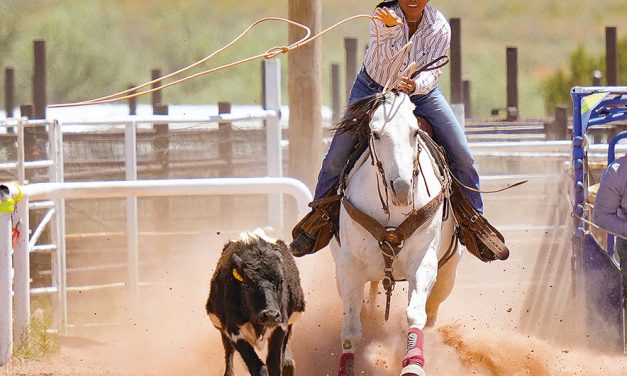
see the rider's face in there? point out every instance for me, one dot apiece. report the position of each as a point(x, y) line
point(412, 8)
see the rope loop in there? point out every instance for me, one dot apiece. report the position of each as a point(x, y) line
point(275, 51)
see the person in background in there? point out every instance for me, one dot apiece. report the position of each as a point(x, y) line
point(610, 210)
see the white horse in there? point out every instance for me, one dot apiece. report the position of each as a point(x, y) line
point(397, 167)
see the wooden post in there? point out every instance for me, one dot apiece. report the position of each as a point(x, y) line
point(226, 154)
point(597, 75)
point(226, 145)
point(561, 123)
point(350, 48)
point(457, 94)
point(335, 92)
point(39, 81)
point(512, 83)
point(26, 110)
point(305, 93)
point(132, 102)
point(467, 102)
point(156, 95)
point(611, 56)
point(9, 92)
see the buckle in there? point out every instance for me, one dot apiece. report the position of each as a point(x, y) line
point(326, 217)
point(474, 218)
point(393, 237)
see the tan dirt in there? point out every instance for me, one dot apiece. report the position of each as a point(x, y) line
point(509, 318)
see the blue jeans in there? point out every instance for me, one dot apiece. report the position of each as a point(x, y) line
point(447, 132)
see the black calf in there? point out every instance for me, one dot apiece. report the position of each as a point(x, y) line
point(255, 296)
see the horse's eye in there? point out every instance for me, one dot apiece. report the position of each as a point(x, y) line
point(376, 136)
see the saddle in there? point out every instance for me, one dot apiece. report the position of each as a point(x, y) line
point(318, 227)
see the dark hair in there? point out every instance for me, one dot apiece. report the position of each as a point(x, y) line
point(386, 3)
point(357, 117)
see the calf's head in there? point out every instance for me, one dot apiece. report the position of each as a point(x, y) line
point(258, 267)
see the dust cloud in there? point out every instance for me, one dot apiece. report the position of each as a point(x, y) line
point(502, 319)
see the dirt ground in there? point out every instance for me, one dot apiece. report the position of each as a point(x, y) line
point(510, 318)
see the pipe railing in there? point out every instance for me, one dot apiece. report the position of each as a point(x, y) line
point(108, 189)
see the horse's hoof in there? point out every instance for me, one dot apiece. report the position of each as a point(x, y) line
point(347, 363)
point(413, 369)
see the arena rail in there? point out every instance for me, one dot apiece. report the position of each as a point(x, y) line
point(110, 189)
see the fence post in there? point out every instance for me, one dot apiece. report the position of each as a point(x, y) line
point(512, 83)
point(226, 154)
point(21, 281)
point(6, 275)
point(132, 102)
point(597, 75)
point(9, 94)
point(272, 101)
point(558, 128)
point(39, 80)
point(561, 122)
point(467, 100)
point(335, 92)
point(26, 110)
point(350, 47)
point(132, 228)
point(611, 56)
point(457, 94)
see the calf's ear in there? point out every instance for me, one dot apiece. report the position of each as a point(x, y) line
point(281, 244)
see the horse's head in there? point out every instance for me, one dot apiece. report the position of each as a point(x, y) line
point(389, 123)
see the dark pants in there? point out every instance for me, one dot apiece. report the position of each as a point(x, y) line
point(621, 248)
point(446, 131)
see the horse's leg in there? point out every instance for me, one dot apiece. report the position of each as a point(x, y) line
point(419, 288)
point(351, 290)
point(443, 285)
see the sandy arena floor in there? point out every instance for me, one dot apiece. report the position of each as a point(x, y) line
point(510, 318)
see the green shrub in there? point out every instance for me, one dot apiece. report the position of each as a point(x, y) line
point(580, 73)
point(40, 341)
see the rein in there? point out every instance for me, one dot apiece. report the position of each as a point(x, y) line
point(391, 239)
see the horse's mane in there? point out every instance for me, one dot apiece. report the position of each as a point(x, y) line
point(356, 119)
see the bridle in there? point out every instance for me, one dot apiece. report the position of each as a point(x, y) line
point(381, 178)
point(391, 239)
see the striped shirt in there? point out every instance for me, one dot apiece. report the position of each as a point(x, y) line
point(431, 40)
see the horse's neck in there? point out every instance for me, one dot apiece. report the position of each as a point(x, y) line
point(363, 191)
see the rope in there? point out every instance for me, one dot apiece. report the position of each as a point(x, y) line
point(269, 54)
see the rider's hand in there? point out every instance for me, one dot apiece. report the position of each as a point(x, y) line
point(406, 85)
point(388, 17)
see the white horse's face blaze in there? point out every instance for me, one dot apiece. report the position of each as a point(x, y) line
point(394, 138)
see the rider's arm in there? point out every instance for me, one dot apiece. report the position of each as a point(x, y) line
point(387, 35)
point(608, 200)
point(436, 45)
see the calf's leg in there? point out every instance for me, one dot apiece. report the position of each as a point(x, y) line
point(228, 354)
point(254, 364)
point(288, 361)
point(275, 352)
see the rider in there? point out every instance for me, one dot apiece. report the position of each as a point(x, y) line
point(401, 21)
point(610, 210)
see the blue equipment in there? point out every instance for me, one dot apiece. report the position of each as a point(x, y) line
point(596, 270)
